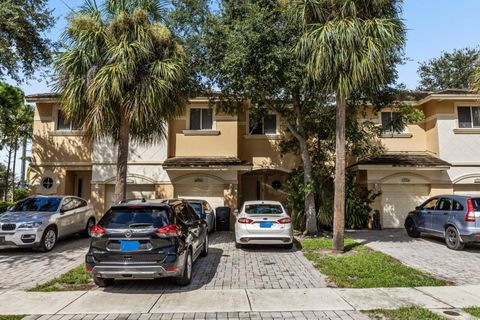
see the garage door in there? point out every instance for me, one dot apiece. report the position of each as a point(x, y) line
point(134, 191)
point(213, 193)
point(467, 189)
point(398, 200)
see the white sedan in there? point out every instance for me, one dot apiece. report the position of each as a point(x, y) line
point(263, 222)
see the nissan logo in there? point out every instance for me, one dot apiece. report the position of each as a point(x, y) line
point(128, 234)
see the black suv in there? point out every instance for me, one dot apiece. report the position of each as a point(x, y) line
point(146, 240)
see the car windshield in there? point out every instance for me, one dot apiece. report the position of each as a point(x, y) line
point(263, 209)
point(476, 203)
point(120, 218)
point(37, 204)
point(197, 206)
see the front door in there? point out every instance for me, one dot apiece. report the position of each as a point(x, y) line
point(252, 187)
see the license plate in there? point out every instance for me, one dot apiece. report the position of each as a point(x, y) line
point(129, 245)
point(265, 224)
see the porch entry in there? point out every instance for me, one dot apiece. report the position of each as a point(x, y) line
point(263, 185)
point(77, 183)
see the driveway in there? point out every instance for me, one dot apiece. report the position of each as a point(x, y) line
point(225, 267)
point(22, 269)
point(427, 253)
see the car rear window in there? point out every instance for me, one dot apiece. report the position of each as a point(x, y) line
point(263, 209)
point(37, 204)
point(197, 206)
point(476, 203)
point(119, 218)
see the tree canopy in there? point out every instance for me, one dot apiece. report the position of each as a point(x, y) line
point(24, 47)
point(452, 70)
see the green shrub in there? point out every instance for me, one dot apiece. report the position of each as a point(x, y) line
point(4, 205)
point(20, 193)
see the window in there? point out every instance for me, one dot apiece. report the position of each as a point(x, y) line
point(389, 120)
point(276, 184)
point(430, 204)
point(201, 119)
point(457, 206)
point(68, 204)
point(38, 204)
point(47, 183)
point(445, 205)
point(64, 124)
point(121, 218)
point(267, 125)
point(468, 117)
point(263, 209)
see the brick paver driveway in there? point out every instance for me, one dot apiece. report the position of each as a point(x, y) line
point(427, 253)
point(225, 267)
point(22, 269)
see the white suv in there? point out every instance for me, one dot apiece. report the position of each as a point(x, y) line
point(263, 222)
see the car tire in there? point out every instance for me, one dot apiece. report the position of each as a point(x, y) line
point(49, 239)
point(452, 239)
point(411, 228)
point(101, 282)
point(204, 252)
point(288, 246)
point(186, 277)
point(88, 227)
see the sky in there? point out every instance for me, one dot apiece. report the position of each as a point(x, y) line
point(433, 26)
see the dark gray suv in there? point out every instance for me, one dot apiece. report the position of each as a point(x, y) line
point(453, 217)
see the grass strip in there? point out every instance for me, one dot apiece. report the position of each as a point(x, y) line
point(407, 313)
point(74, 280)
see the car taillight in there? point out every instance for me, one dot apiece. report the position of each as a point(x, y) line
point(172, 230)
point(470, 216)
point(97, 231)
point(89, 269)
point(284, 220)
point(245, 221)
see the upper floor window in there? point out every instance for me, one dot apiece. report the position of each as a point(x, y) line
point(389, 120)
point(468, 117)
point(201, 119)
point(266, 125)
point(63, 124)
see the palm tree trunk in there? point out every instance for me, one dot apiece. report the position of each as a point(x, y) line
point(23, 180)
point(7, 176)
point(14, 166)
point(339, 201)
point(122, 160)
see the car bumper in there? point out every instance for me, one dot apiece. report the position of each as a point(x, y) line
point(21, 238)
point(284, 236)
point(474, 237)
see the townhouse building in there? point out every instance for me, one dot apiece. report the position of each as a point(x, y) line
point(229, 159)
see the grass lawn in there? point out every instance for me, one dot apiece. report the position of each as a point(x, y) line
point(11, 317)
point(474, 311)
point(361, 267)
point(408, 313)
point(75, 279)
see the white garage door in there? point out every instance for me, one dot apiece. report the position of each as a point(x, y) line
point(398, 200)
point(213, 193)
point(134, 191)
point(467, 189)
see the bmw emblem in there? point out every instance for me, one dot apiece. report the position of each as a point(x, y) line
point(128, 234)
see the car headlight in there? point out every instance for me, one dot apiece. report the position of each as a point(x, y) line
point(30, 225)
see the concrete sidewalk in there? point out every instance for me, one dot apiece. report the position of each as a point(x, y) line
point(236, 300)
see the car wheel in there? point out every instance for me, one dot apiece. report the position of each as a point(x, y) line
point(411, 228)
point(452, 239)
point(288, 246)
point(186, 277)
point(101, 282)
point(49, 239)
point(88, 228)
point(205, 247)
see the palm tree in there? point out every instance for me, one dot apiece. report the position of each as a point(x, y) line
point(121, 74)
point(348, 45)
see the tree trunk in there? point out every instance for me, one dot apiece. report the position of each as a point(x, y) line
point(310, 211)
point(7, 176)
point(122, 161)
point(339, 201)
point(23, 168)
point(14, 166)
point(309, 199)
